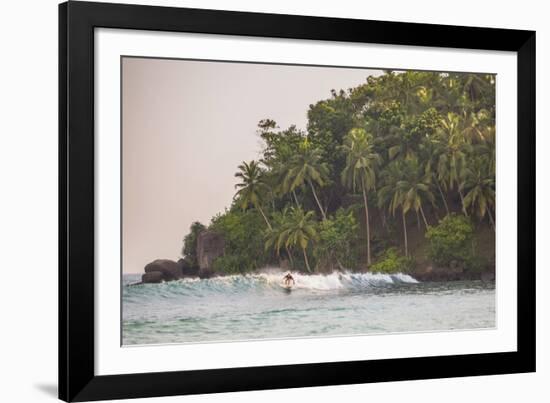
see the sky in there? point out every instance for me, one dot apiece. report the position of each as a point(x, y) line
point(186, 125)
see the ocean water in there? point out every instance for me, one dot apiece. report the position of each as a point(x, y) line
point(257, 307)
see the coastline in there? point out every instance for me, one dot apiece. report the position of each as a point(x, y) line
point(427, 274)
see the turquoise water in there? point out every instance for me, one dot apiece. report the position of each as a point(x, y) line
point(257, 307)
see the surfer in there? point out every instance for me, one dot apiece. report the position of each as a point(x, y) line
point(287, 279)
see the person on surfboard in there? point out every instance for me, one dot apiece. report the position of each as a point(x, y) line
point(287, 279)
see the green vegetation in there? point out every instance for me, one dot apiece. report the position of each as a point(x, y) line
point(391, 261)
point(451, 240)
point(337, 242)
point(360, 170)
point(190, 243)
point(251, 188)
point(377, 168)
point(243, 231)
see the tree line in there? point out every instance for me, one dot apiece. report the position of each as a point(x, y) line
point(401, 144)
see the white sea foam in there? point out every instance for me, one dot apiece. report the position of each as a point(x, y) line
point(335, 280)
point(273, 278)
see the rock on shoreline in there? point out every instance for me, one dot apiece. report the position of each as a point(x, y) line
point(168, 269)
point(210, 245)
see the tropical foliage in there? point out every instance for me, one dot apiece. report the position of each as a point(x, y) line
point(451, 240)
point(392, 261)
point(360, 170)
point(405, 153)
point(190, 243)
point(337, 244)
point(243, 233)
point(252, 187)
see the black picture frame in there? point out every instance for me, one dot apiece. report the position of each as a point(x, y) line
point(77, 21)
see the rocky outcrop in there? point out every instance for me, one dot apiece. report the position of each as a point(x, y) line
point(210, 245)
point(152, 277)
point(169, 269)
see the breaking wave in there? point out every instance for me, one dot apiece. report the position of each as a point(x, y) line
point(271, 280)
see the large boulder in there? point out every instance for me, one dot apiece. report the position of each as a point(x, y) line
point(210, 245)
point(170, 270)
point(152, 277)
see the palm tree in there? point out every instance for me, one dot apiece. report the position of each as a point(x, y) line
point(404, 88)
point(474, 126)
point(405, 147)
point(300, 231)
point(475, 86)
point(360, 170)
point(392, 195)
point(487, 151)
point(305, 167)
point(451, 166)
point(405, 187)
point(276, 237)
point(252, 187)
point(430, 153)
point(481, 190)
point(415, 188)
point(279, 171)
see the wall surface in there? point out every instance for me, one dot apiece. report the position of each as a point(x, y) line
point(28, 205)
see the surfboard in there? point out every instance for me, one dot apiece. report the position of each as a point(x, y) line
point(287, 288)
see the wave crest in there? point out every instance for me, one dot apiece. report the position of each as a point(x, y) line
point(338, 280)
point(270, 281)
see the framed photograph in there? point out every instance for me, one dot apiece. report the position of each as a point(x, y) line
point(256, 201)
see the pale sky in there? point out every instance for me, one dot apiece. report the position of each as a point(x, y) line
point(186, 127)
